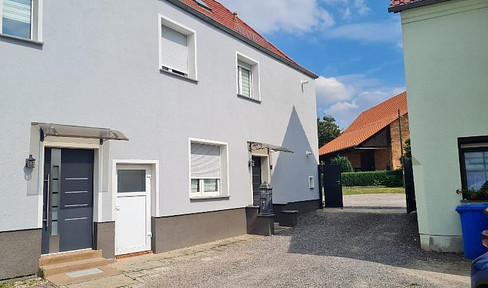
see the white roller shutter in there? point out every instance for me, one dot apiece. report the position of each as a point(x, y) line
point(174, 50)
point(205, 161)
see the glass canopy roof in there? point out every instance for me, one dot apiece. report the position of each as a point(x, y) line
point(59, 130)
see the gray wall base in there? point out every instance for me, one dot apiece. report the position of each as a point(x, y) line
point(174, 232)
point(20, 253)
point(259, 224)
point(104, 238)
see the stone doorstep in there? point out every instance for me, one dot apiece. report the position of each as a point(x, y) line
point(84, 275)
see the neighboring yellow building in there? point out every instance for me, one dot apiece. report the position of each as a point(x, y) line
point(446, 68)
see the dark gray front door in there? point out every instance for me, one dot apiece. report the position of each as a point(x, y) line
point(256, 180)
point(68, 200)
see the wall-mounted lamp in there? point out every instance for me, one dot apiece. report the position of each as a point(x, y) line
point(251, 163)
point(30, 162)
point(308, 153)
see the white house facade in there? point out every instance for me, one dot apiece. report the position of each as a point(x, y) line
point(196, 111)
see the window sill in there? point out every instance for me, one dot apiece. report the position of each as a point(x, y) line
point(208, 198)
point(195, 81)
point(20, 39)
point(249, 98)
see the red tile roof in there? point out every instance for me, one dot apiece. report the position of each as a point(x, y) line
point(368, 123)
point(395, 3)
point(223, 16)
point(400, 5)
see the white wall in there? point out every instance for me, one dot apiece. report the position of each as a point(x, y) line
point(446, 64)
point(99, 67)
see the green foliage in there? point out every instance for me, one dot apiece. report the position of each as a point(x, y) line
point(327, 130)
point(407, 149)
point(373, 178)
point(346, 165)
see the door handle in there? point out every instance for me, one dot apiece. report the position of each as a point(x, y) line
point(338, 181)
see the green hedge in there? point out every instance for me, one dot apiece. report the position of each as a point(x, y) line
point(373, 178)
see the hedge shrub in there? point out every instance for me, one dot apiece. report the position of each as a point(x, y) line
point(373, 178)
point(346, 165)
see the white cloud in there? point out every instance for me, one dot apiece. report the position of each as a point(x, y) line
point(346, 96)
point(361, 7)
point(347, 14)
point(291, 16)
point(331, 90)
point(378, 32)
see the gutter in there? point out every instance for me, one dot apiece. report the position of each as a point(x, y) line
point(417, 4)
point(242, 38)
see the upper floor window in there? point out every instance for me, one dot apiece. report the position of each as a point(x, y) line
point(208, 169)
point(247, 77)
point(177, 48)
point(474, 162)
point(21, 18)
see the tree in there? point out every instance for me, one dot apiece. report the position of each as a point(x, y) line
point(346, 165)
point(327, 130)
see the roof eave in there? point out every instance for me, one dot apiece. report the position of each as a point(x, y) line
point(242, 38)
point(400, 8)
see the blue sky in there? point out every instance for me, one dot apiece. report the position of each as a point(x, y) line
point(355, 46)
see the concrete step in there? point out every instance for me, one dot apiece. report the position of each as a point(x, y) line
point(69, 257)
point(74, 263)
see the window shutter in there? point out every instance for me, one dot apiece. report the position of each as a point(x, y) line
point(175, 50)
point(205, 161)
point(245, 79)
point(17, 10)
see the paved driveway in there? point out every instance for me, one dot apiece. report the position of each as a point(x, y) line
point(354, 247)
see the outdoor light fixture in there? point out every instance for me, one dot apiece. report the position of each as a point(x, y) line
point(308, 153)
point(30, 162)
point(303, 82)
point(251, 163)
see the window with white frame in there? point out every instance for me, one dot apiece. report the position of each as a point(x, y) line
point(177, 48)
point(208, 162)
point(21, 18)
point(247, 77)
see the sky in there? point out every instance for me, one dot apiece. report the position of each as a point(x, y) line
point(355, 46)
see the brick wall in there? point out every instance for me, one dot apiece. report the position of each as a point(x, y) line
point(395, 140)
point(354, 157)
point(382, 159)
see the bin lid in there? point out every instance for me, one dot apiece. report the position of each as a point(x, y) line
point(471, 207)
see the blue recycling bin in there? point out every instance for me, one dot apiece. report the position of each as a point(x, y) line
point(473, 222)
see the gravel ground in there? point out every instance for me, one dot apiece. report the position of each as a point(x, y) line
point(372, 242)
point(353, 247)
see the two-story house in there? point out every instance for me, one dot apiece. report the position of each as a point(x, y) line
point(446, 65)
point(198, 109)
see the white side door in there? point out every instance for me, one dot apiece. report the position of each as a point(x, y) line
point(133, 209)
